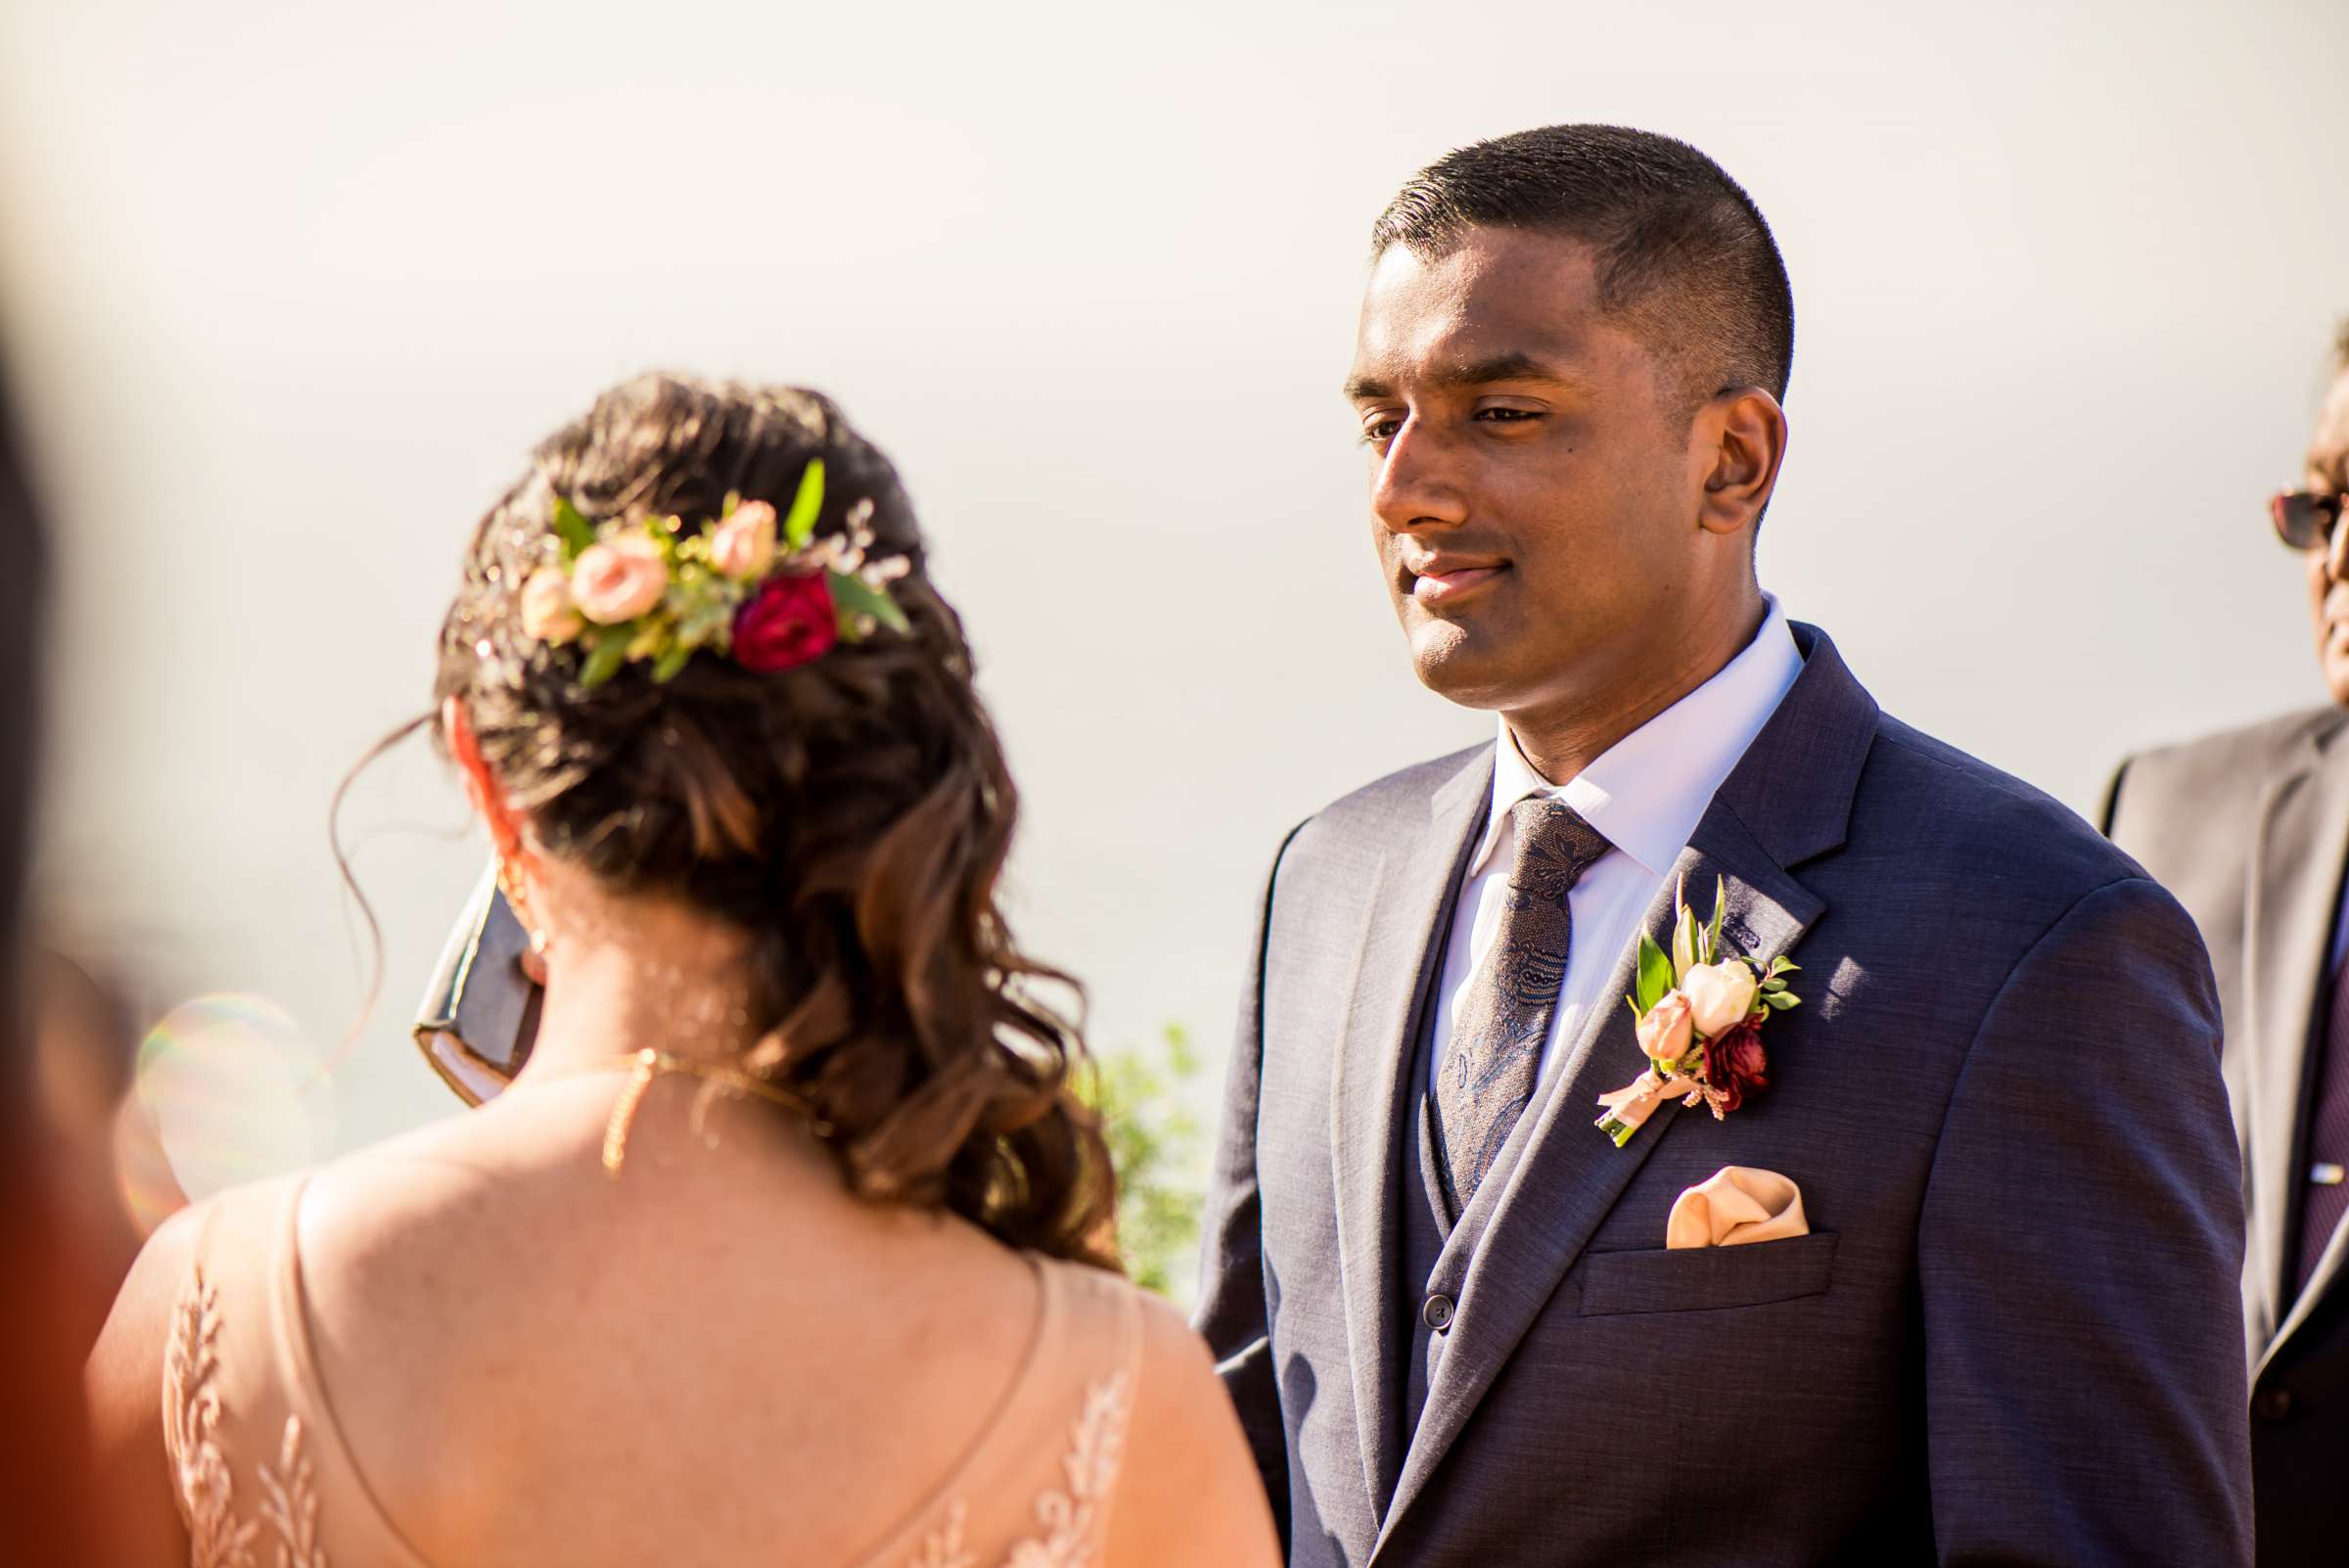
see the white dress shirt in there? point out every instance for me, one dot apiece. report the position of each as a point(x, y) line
point(1646, 794)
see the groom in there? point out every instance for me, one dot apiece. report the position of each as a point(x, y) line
point(1952, 1277)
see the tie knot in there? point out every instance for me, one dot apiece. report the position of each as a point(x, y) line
point(1556, 845)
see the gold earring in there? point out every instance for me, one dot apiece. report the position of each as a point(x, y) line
point(510, 884)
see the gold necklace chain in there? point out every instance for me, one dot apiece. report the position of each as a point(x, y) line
point(644, 1066)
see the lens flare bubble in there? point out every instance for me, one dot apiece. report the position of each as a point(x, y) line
point(150, 1192)
point(228, 1090)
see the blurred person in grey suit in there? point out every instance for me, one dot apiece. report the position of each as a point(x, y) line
point(2250, 828)
point(1948, 1274)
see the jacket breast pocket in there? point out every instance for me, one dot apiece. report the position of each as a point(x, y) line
point(1696, 1279)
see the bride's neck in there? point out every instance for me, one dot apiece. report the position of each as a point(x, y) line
point(623, 975)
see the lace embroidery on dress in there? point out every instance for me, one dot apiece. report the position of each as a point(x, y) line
point(206, 1488)
point(192, 1407)
point(944, 1547)
point(1097, 1447)
point(291, 1506)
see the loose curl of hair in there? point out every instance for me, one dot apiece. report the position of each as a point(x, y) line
point(853, 816)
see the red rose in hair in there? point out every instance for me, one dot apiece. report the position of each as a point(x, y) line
point(1735, 1065)
point(790, 623)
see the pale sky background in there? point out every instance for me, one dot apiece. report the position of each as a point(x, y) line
point(291, 289)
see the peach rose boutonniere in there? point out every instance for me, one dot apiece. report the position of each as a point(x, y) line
point(1700, 1011)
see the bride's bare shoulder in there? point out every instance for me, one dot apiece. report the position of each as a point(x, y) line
point(1187, 1489)
point(447, 1187)
point(1190, 1492)
point(121, 1383)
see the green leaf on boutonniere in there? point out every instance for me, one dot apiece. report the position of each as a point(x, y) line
point(1685, 952)
point(1655, 975)
point(1782, 1000)
point(604, 658)
point(1721, 908)
point(575, 530)
point(799, 524)
point(854, 597)
point(664, 669)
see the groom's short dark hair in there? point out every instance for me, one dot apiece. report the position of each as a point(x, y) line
point(1681, 250)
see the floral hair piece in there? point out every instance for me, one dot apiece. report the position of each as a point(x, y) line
point(761, 590)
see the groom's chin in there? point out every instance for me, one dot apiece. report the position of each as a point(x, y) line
point(1456, 664)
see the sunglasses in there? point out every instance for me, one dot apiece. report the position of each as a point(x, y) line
point(481, 1013)
point(2304, 519)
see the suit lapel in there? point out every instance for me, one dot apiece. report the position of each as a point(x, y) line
point(2329, 1270)
point(1558, 1174)
point(2296, 861)
point(1418, 880)
point(1788, 799)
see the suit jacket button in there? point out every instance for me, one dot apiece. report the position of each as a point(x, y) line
point(1437, 1314)
point(2271, 1403)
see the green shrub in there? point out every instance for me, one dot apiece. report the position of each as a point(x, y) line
point(1155, 1140)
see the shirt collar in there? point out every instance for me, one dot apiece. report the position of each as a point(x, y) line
point(1648, 792)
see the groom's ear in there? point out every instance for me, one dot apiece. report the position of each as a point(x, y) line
point(1743, 434)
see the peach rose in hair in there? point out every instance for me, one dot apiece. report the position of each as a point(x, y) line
point(744, 545)
point(620, 580)
point(547, 613)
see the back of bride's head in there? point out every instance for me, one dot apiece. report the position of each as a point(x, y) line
point(700, 656)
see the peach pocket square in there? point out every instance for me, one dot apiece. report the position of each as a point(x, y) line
point(1737, 1205)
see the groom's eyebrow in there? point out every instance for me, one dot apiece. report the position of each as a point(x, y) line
point(1497, 367)
point(1467, 373)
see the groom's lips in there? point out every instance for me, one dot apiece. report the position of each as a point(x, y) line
point(1443, 578)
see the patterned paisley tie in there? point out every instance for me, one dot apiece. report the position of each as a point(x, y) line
point(1495, 1058)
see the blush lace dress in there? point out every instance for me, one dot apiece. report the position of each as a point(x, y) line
point(265, 1480)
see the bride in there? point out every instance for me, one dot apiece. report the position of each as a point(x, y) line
point(789, 1245)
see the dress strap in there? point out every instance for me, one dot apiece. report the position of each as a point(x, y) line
point(258, 1460)
point(296, 1355)
point(1037, 1488)
point(1095, 1458)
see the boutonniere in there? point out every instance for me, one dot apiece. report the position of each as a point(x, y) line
point(1700, 1009)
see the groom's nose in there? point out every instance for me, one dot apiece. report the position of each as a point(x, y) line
point(1418, 484)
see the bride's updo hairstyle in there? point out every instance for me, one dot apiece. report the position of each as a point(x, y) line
point(852, 813)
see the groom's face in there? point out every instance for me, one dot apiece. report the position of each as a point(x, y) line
point(1531, 490)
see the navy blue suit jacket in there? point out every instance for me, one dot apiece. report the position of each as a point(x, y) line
point(2013, 1334)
